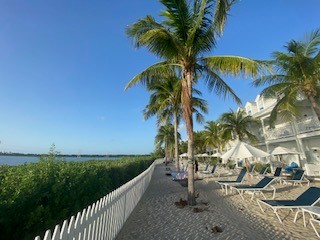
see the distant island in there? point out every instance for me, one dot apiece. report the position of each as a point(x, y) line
point(71, 155)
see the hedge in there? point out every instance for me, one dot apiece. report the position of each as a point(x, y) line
point(35, 197)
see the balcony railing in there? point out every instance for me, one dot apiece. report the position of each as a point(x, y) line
point(308, 124)
point(279, 132)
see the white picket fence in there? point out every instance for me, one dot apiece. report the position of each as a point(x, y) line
point(105, 218)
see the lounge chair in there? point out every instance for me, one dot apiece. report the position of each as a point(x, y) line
point(213, 171)
point(179, 175)
point(277, 172)
point(260, 187)
point(314, 219)
point(224, 184)
point(298, 177)
point(262, 172)
point(251, 168)
point(309, 198)
point(206, 169)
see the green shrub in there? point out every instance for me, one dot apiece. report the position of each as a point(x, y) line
point(35, 197)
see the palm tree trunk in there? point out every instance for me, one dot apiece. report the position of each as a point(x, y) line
point(314, 105)
point(186, 97)
point(176, 145)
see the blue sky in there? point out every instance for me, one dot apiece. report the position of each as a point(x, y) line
point(64, 65)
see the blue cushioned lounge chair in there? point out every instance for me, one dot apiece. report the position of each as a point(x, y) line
point(309, 198)
point(298, 177)
point(260, 187)
point(224, 184)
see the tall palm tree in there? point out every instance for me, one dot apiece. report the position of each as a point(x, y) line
point(189, 30)
point(165, 102)
point(298, 71)
point(213, 134)
point(165, 137)
point(236, 125)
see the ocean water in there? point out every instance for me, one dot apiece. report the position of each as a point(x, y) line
point(18, 160)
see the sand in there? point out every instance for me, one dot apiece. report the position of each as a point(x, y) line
point(157, 217)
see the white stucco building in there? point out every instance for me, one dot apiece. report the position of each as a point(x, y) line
point(301, 134)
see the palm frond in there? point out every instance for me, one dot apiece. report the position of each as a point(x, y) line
point(236, 66)
point(312, 43)
point(269, 80)
point(199, 118)
point(279, 88)
point(177, 16)
point(284, 110)
point(201, 24)
point(154, 36)
point(220, 14)
point(152, 73)
point(219, 86)
point(200, 104)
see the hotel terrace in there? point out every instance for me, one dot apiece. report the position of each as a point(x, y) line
point(301, 134)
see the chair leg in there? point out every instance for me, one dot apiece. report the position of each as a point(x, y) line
point(262, 194)
point(260, 205)
point(252, 196)
point(275, 211)
point(274, 192)
point(296, 216)
point(241, 193)
point(314, 228)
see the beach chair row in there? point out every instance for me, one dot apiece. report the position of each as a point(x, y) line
point(304, 204)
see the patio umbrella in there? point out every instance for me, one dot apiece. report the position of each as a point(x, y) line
point(204, 155)
point(283, 151)
point(183, 155)
point(217, 154)
point(243, 150)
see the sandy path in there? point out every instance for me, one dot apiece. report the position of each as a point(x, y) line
point(157, 217)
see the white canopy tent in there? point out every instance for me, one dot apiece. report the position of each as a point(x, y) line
point(243, 150)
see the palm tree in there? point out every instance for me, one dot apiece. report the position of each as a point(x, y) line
point(165, 102)
point(199, 142)
point(213, 134)
point(298, 71)
point(165, 137)
point(236, 125)
point(189, 30)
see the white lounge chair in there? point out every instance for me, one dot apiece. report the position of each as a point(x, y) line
point(260, 187)
point(297, 178)
point(309, 198)
point(224, 184)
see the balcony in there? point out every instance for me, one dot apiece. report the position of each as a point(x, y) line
point(279, 132)
point(308, 124)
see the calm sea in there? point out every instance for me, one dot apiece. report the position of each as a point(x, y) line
point(17, 160)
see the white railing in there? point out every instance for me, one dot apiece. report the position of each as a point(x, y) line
point(308, 124)
point(105, 218)
point(279, 132)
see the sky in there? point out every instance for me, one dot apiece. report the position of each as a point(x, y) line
point(64, 66)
